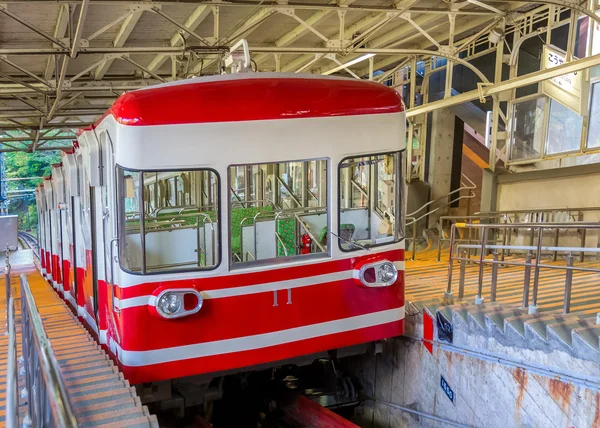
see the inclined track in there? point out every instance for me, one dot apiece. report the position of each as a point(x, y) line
point(99, 394)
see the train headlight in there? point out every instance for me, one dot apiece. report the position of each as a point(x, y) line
point(387, 273)
point(169, 303)
point(382, 273)
point(178, 303)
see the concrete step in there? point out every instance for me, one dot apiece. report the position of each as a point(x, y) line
point(496, 315)
point(585, 342)
point(562, 332)
point(535, 328)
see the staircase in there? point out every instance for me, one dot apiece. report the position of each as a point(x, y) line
point(558, 331)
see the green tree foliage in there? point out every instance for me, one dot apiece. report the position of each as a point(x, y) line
point(22, 165)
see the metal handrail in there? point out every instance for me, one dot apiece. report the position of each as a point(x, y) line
point(12, 384)
point(460, 254)
point(413, 216)
point(7, 275)
point(472, 186)
point(49, 403)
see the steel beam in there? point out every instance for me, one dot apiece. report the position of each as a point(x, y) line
point(507, 85)
point(194, 20)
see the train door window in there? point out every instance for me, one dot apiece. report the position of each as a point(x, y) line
point(159, 234)
point(281, 213)
point(369, 196)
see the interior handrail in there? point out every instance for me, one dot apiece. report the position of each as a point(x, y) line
point(469, 187)
point(39, 358)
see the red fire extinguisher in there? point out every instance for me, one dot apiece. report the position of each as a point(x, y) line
point(306, 244)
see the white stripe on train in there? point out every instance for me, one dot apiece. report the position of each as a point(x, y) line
point(150, 300)
point(247, 343)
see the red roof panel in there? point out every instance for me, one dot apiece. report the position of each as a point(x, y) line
point(253, 98)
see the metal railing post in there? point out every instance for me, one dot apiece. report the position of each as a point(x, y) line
point(414, 241)
point(440, 234)
point(568, 283)
point(7, 282)
point(583, 236)
point(527, 279)
point(504, 233)
point(478, 298)
point(463, 270)
point(448, 293)
point(555, 255)
point(12, 385)
point(494, 277)
point(536, 274)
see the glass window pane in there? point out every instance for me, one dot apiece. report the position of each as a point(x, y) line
point(528, 121)
point(165, 237)
point(369, 201)
point(287, 215)
point(564, 129)
point(593, 139)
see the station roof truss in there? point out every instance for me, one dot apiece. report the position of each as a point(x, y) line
point(63, 63)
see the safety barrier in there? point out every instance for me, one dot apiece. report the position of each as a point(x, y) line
point(12, 397)
point(533, 256)
point(545, 215)
point(413, 219)
point(48, 401)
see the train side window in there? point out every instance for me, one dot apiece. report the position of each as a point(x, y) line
point(369, 201)
point(278, 211)
point(157, 234)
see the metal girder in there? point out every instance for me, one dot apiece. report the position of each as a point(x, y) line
point(194, 20)
point(300, 30)
point(507, 85)
point(60, 31)
point(120, 39)
point(246, 26)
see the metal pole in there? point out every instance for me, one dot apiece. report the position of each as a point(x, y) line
point(12, 385)
point(494, 277)
point(504, 236)
point(414, 241)
point(583, 236)
point(527, 279)
point(555, 256)
point(448, 293)
point(440, 235)
point(536, 274)
point(478, 299)
point(7, 280)
point(568, 283)
point(463, 269)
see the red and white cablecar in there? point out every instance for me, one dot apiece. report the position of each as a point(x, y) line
point(219, 223)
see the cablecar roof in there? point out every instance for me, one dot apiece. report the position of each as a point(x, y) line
point(251, 97)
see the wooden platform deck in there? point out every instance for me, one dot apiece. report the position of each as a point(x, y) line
point(427, 279)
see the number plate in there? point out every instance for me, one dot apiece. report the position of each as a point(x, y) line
point(447, 389)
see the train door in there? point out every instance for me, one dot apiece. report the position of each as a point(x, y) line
point(109, 235)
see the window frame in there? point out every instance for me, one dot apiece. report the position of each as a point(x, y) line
point(234, 266)
point(399, 215)
point(120, 191)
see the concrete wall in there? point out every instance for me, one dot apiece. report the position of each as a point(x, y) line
point(487, 393)
point(574, 191)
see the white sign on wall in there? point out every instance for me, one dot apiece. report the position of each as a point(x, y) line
point(570, 89)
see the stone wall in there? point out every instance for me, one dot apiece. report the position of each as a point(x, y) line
point(487, 393)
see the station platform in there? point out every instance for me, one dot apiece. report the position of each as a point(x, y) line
point(427, 280)
point(98, 393)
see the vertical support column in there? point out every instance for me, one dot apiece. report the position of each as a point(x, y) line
point(411, 125)
point(423, 130)
point(441, 149)
point(450, 63)
point(496, 102)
